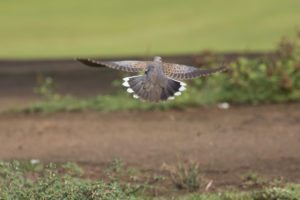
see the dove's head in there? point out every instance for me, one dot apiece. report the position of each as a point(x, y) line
point(157, 59)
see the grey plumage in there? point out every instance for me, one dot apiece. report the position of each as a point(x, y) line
point(153, 86)
point(157, 83)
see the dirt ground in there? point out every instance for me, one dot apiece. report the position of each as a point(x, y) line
point(226, 143)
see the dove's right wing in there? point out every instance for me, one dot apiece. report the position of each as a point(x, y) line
point(177, 71)
point(127, 66)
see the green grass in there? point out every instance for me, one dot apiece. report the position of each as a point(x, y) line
point(290, 192)
point(65, 28)
point(68, 183)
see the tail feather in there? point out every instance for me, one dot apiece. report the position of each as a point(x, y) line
point(163, 96)
point(173, 88)
point(138, 84)
point(136, 87)
point(135, 80)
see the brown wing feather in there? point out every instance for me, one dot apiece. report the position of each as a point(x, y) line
point(177, 71)
point(127, 66)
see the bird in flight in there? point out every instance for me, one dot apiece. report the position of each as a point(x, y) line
point(160, 81)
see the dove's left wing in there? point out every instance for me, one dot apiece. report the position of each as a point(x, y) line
point(177, 71)
point(127, 66)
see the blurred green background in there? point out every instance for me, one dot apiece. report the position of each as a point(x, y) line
point(66, 28)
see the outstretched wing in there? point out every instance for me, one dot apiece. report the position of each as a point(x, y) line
point(177, 71)
point(127, 66)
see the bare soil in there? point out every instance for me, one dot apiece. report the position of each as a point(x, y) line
point(226, 143)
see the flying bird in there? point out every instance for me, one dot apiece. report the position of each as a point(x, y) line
point(160, 81)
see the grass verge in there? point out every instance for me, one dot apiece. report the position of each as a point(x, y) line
point(273, 79)
point(68, 183)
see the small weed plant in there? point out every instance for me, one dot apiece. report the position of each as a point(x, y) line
point(46, 88)
point(185, 175)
